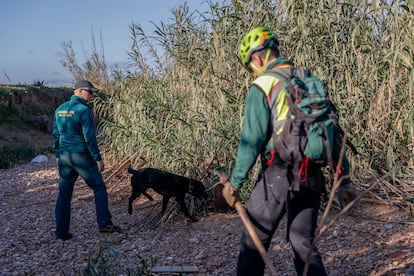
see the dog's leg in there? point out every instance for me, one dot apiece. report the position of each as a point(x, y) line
point(133, 196)
point(181, 202)
point(130, 205)
point(165, 200)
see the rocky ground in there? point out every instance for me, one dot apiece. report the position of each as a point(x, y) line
point(375, 240)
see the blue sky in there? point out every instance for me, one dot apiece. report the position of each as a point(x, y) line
point(32, 32)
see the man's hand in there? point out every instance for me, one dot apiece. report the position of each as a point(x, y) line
point(346, 193)
point(230, 193)
point(101, 165)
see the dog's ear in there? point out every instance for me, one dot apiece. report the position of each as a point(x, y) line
point(131, 170)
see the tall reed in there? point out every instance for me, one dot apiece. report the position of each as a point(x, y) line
point(181, 109)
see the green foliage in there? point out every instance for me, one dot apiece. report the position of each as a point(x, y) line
point(23, 127)
point(107, 261)
point(10, 155)
point(5, 113)
point(182, 109)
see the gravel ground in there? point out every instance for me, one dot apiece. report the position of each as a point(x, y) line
point(375, 240)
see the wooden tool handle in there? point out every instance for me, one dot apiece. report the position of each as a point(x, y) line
point(249, 226)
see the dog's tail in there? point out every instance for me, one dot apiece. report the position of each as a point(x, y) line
point(131, 170)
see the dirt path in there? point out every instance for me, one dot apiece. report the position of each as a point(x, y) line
point(374, 241)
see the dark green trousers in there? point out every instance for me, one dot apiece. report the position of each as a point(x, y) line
point(266, 208)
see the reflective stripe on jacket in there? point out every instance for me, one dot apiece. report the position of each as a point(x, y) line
point(276, 98)
point(257, 124)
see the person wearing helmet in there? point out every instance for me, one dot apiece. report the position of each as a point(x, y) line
point(267, 203)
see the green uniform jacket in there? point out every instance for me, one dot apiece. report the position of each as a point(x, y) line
point(255, 137)
point(257, 129)
point(74, 128)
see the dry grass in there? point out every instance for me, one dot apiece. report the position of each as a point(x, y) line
point(181, 109)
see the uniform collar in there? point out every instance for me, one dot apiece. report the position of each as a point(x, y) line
point(79, 99)
point(278, 61)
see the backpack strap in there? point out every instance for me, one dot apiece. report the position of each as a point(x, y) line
point(285, 74)
point(328, 146)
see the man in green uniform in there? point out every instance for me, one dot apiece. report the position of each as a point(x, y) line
point(75, 145)
point(272, 195)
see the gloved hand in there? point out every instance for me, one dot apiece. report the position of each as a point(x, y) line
point(230, 193)
point(346, 193)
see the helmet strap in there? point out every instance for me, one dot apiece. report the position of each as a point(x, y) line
point(256, 68)
point(262, 69)
point(268, 52)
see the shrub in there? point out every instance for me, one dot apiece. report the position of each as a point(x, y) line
point(107, 261)
point(10, 155)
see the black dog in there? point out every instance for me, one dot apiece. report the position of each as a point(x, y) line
point(167, 184)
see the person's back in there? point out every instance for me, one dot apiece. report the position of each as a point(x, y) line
point(75, 145)
point(272, 197)
point(75, 129)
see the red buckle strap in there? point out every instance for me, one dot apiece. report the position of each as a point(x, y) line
point(337, 168)
point(303, 170)
point(272, 154)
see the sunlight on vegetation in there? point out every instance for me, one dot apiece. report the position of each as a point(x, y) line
point(180, 106)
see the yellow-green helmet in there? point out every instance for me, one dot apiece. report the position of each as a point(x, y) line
point(257, 39)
